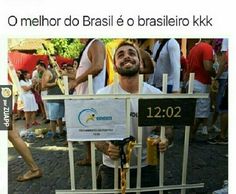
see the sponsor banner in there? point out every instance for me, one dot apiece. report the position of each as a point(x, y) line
point(6, 106)
point(96, 120)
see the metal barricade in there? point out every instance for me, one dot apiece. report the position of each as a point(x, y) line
point(183, 186)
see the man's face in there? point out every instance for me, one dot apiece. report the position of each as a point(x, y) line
point(40, 68)
point(69, 69)
point(27, 76)
point(18, 73)
point(127, 61)
point(37, 68)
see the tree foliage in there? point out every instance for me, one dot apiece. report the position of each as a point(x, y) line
point(66, 47)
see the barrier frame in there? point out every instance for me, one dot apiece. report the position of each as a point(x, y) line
point(183, 186)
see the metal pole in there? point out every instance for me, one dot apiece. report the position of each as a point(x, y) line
point(72, 167)
point(116, 179)
point(139, 141)
point(70, 145)
point(66, 85)
point(162, 136)
point(128, 129)
point(92, 144)
point(186, 140)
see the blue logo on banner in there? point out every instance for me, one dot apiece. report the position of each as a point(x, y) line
point(87, 116)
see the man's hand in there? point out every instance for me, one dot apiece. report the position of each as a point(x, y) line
point(113, 151)
point(72, 84)
point(163, 144)
point(62, 72)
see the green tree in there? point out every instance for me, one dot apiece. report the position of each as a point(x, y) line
point(66, 47)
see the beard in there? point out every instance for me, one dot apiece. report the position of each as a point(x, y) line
point(128, 71)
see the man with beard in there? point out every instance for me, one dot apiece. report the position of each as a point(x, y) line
point(127, 63)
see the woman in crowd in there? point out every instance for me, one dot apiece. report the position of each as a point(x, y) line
point(30, 105)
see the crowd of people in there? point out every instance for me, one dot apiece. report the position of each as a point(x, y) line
point(208, 59)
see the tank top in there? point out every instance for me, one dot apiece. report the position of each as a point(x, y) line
point(55, 90)
point(98, 80)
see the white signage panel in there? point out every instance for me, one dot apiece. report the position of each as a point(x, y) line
point(96, 119)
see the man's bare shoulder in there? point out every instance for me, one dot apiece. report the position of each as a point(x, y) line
point(97, 44)
point(96, 47)
point(47, 73)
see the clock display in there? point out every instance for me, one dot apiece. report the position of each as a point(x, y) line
point(180, 111)
point(169, 112)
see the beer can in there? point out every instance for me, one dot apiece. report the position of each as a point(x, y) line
point(152, 150)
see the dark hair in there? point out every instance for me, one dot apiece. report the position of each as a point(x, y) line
point(126, 43)
point(217, 44)
point(69, 65)
point(140, 41)
point(41, 63)
point(63, 65)
point(23, 74)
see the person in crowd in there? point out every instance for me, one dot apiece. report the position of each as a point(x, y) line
point(166, 54)
point(147, 64)
point(56, 109)
point(200, 62)
point(110, 49)
point(36, 80)
point(92, 61)
point(146, 44)
point(127, 63)
point(183, 72)
point(29, 102)
point(70, 72)
point(41, 67)
point(19, 102)
point(221, 75)
point(20, 146)
point(63, 66)
point(35, 73)
point(219, 82)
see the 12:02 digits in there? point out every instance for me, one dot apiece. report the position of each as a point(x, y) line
point(169, 112)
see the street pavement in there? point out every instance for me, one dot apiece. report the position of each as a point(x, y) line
point(206, 164)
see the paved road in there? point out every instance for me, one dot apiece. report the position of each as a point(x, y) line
point(207, 164)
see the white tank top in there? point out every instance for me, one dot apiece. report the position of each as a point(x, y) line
point(85, 63)
point(147, 89)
